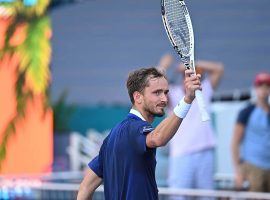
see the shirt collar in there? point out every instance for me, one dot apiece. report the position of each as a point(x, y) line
point(137, 113)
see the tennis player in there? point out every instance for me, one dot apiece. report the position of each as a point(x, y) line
point(127, 158)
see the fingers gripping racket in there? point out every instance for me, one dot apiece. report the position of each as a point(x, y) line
point(179, 29)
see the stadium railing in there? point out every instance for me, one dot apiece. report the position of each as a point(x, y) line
point(66, 191)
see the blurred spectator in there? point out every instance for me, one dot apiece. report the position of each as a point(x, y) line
point(251, 140)
point(191, 162)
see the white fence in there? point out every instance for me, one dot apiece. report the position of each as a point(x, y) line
point(66, 191)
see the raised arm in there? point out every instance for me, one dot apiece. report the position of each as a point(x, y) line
point(88, 186)
point(168, 127)
point(213, 69)
point(165, 62)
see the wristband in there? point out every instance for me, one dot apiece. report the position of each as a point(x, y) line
point(181, 109)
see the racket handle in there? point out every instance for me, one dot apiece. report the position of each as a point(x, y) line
point(204, 114)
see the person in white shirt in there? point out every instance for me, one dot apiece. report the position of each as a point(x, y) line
point(191, 154)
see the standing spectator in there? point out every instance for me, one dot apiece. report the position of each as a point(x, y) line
point(251, 140)
point(191, 162)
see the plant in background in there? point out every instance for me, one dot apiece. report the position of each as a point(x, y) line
point(62, 112)
point(25, 33)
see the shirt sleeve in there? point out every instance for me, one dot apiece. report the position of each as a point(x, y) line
point(139, 137)
point(244, 114)
point(97, 163)
point(96, 166)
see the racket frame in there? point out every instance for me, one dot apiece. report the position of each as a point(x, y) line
point(188, 59)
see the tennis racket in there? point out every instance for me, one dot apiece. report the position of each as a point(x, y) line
point(179, 29)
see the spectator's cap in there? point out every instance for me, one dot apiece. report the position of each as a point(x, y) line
point(262, 78)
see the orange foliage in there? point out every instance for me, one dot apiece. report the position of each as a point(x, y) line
point(29, 150)
point(19, 35)
point(4, 23)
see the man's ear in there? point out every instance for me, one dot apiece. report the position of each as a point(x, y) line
point(137, 97)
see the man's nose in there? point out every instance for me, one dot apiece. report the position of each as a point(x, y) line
point(164, 97)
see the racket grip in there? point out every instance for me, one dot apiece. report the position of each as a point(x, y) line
point(204, 114)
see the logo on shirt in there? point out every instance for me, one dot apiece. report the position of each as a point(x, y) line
point(147, 129)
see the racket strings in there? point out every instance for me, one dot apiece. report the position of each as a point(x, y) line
point(177, 25)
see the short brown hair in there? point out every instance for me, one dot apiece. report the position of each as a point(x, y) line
point(138, 80)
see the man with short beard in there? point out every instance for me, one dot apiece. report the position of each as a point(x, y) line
point(127, 158)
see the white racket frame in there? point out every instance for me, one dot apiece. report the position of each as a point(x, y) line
point(190, 64)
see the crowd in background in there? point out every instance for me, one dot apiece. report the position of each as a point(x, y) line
point(191, 151)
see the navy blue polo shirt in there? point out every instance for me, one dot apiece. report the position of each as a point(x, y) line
point(125, 164)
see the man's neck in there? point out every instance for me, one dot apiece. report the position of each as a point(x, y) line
point(146, 116)
point(264, 105)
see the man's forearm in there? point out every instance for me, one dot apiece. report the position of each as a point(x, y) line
point(87, 190)
point(84, 193)
point(236, 155)
point(210, 66)
point(235, 145)
point(88, 186)
point(163, 132)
